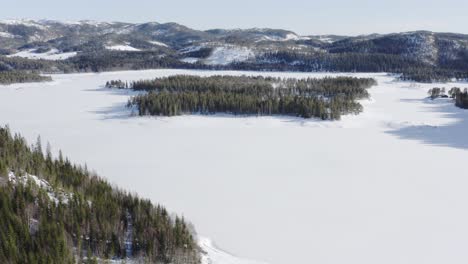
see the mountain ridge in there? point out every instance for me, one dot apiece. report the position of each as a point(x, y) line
point(122, 45)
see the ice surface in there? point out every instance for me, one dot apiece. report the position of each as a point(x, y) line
point(386, 186)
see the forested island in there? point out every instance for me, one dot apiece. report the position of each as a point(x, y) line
point(460, 97)
point(326, 98)
point(54, 211)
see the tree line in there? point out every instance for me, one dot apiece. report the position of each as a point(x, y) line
point(91, 224)
point(428, 75)
point(9, 77)
point(326, 98)
point(349, 61)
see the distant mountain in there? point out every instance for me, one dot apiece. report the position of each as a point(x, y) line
point(429, 47)
point(272, 49)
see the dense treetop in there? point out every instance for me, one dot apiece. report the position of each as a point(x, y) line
point(79, 217)
point(326, 98)
point(9, 77)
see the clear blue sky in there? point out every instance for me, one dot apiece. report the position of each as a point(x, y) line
point(303, 16)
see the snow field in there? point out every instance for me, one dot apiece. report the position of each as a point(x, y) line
point(52, 54)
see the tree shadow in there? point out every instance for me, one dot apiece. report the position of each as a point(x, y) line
point(454, 134)
point(118, 110)
point(114, 91)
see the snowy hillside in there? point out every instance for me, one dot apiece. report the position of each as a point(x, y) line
point(381, 187)
point(172, 39)
point(125, 47)
point(229, 54)
point(53, 54)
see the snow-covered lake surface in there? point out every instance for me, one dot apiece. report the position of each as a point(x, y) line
point(386, 186)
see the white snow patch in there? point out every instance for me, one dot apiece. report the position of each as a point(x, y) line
point(326, 39)
point(288, 37)
point(190, 60)
point(228, 54)
point(190, 49)
point(158, 43)
point(52, 54)
point(213, 255)
point(7, 35)
point(43, 184)
point(24, 22)
point(122, 48)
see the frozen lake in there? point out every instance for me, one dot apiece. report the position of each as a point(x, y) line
point(386, 186)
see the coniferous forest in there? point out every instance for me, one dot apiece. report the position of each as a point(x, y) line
point(409, 69)
point(9, 77)
point(326, 98)
point(461, 99)
point(69, 215)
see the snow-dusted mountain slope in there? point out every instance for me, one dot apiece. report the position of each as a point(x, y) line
point(93, 37)
point(122, 48)
point(52, 54)
point(228, 54)
point(384, 186)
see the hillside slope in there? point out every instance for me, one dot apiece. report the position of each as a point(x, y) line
point(101, 46)
point(53, 211)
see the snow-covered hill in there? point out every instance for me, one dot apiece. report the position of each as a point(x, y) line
point(228, 46)
point(52, 54)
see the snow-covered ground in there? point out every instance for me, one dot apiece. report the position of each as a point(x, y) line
point(158, 43)
point(52, 54)
point(213, 255)
point(221, 55)
point(228, 54)
point(7, 35)
point(54, 195)
point(385, 186)
point(24, 22)
point(190, 60)
point(122, 48)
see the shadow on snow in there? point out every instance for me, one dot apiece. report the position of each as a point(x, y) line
point(453, 134)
